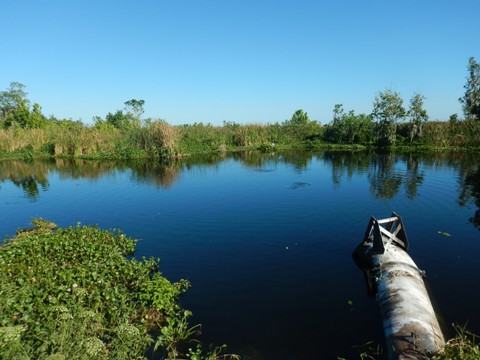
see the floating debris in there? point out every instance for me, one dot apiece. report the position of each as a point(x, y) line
point(444, 233)
point(299, 185)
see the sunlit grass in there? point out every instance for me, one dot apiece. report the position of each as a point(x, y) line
point(464, 346)
point(160, 140)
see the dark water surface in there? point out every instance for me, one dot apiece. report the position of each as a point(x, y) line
point(266, 239)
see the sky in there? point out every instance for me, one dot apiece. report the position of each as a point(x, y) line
point(246, 61)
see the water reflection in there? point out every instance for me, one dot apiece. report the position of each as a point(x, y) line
point(84, 169)
point(29, 176)
point(299, 185)
point(162, 176)
point(347, 163)
point(470, 189)
point(258, 160)
point(414, 176)
point(387, 173)
point(386, 178)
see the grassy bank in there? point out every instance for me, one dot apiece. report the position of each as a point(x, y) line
point(436, 134)
point(463, 346)
point(160, 140)
point(73, 293)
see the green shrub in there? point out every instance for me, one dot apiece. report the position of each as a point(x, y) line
point(200, 138)
point(73, 294)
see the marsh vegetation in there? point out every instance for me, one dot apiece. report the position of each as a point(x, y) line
point(260, 238)
point(76, 293)
point(124, 134)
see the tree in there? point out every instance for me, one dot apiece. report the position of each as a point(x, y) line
point(15, 109)
point(301, 128)
point(348, 128)
point(299, 117)
point(338, 112)
point(417, 114)
point(471, 99)
point(453, 118)
point(130, 119)
point(11, 99)
point(363, 129)
point(387, 111)
point(118, 120)
point(135, 107)
point(37, 119)
point(19, 116)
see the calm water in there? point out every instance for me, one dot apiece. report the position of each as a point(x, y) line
point(266, 240)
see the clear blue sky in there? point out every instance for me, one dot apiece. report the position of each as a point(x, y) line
point(248, 61)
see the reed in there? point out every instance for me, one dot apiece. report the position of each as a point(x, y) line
point(460, 134)
point(252, 135)
point(160, 140)
point(83, 141)
point(15, 139)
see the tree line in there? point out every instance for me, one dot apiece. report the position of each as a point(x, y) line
point(389, 123)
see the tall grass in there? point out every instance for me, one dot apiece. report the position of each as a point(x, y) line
point(252, 135)
point(200, 138)
point(464, 346)
point(83, 141)
point(160, 140)
point(61, 141)
point(460, 134)
point(19, 139)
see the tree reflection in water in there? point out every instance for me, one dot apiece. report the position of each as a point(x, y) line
point(385, 181)
point(414, 177)
point(29, 176)
point(387, 173)
point(470, 190)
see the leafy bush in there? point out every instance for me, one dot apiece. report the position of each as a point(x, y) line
point(73, 294)
point(349, 128)
point(200, 138)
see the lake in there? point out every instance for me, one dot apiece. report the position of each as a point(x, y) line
point(266, 239)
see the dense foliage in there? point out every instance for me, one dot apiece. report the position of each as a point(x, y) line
point(471, 99)
point(15, 109)
point(388, 110)
point(160, 140)
point(25, 132)
point(73, 294)
point(349, 128)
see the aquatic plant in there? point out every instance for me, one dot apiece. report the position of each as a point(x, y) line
point(72, 293)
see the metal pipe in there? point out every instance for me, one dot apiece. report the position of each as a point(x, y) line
point(410, 325)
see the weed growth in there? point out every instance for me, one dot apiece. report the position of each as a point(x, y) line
point(160, 141)
point(464, 346)
point(72, 293)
